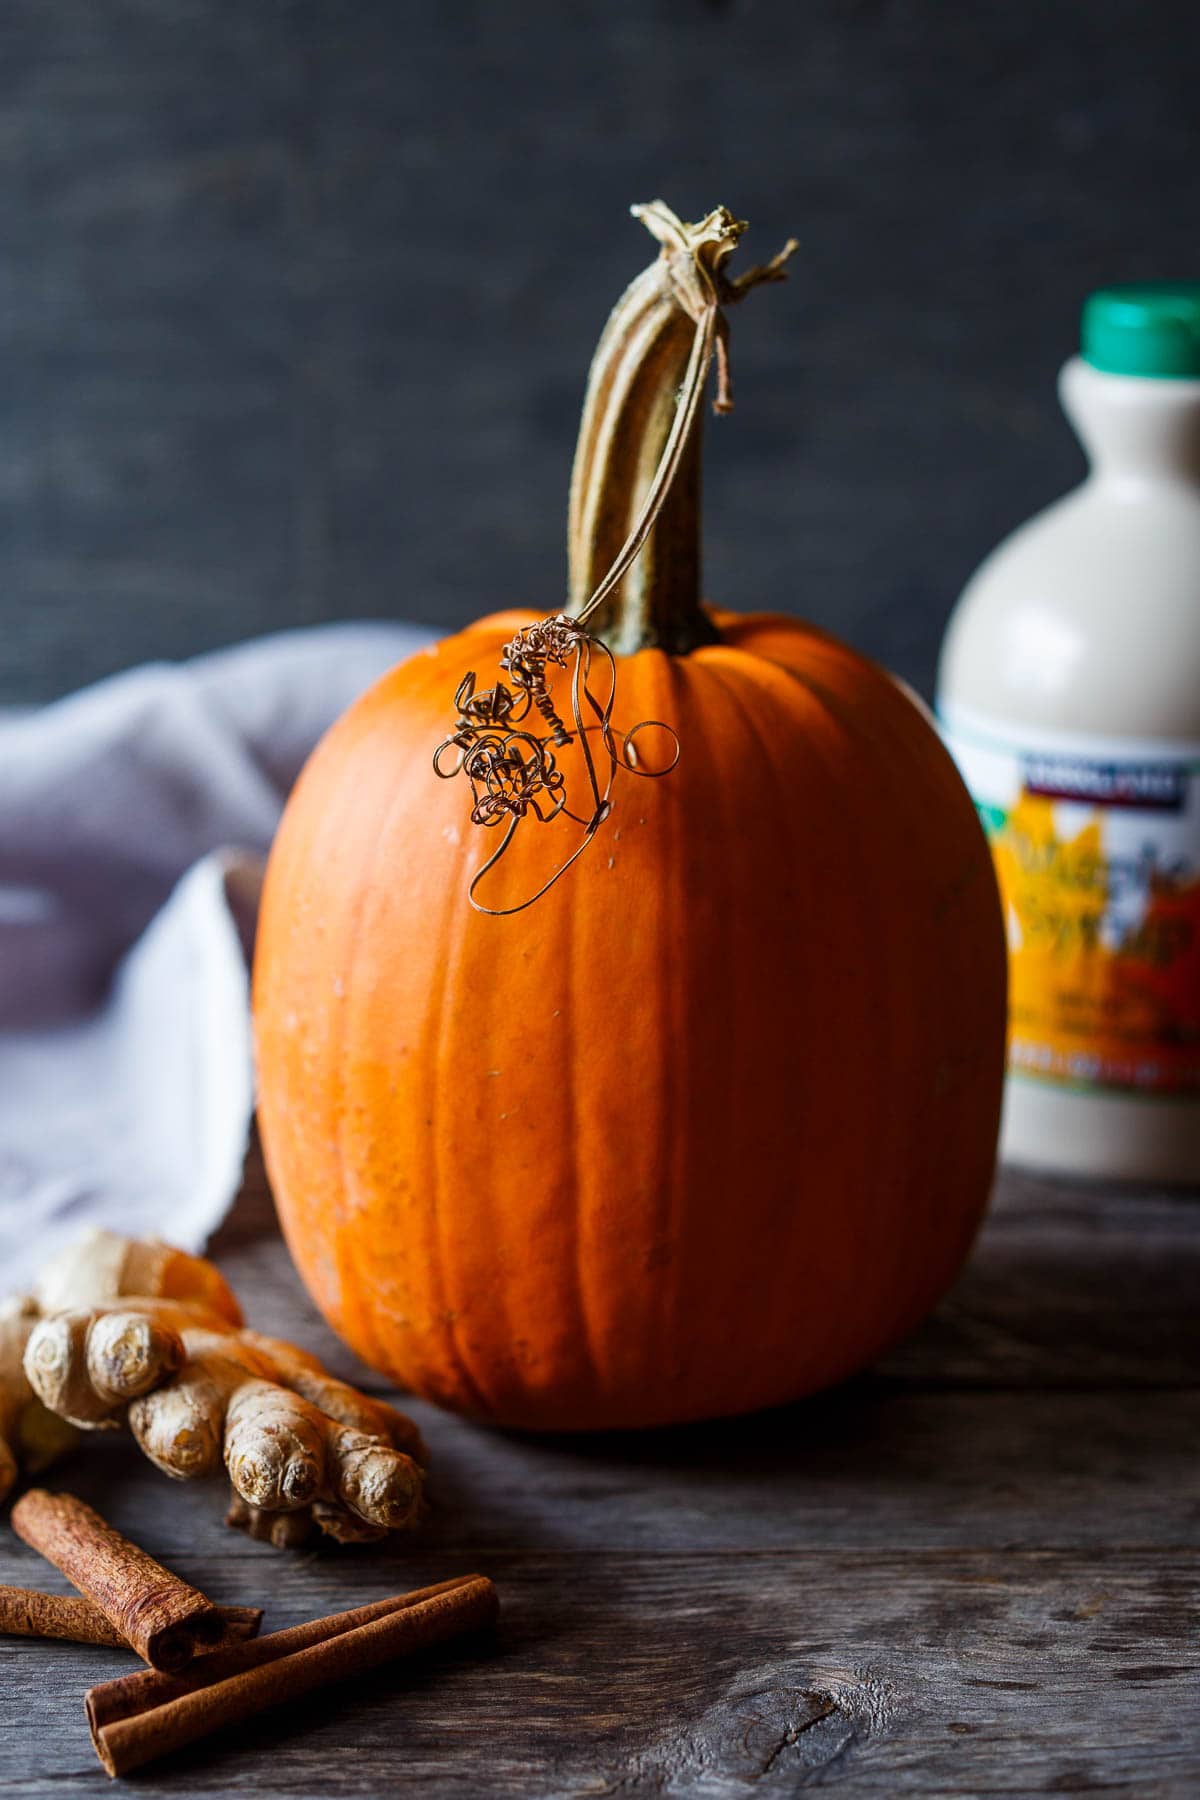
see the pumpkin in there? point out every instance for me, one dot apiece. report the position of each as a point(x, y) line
point(712, 1123)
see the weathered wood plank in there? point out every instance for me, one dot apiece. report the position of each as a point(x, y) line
point(856, 1471)
point(1069, 1288)
point(972, 1571)
point(883, 1675)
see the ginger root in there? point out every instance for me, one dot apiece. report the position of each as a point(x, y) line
point(170, 1358)
point(34, 1431)
point(102, 1265)
point(31, 1437)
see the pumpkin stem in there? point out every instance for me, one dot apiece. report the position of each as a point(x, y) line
point(633, 532)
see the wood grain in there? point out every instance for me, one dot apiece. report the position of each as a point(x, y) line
point(925, 1672)
point(973, 1571)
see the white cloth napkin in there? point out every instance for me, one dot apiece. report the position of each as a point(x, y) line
point(134, 818)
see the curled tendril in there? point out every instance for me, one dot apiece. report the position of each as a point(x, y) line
point(510, 765)
point(512, 770)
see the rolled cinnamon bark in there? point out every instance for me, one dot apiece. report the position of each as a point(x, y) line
point(140, 1717)
point(26, 1613)
point(161, 1617)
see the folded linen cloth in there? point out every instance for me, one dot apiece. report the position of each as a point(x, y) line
point(134, 818)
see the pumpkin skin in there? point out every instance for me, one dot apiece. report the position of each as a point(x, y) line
point(703, 1130)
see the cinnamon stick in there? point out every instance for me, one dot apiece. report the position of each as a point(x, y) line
point(161, 1617)
point(26, 1613)
point(140, 1717)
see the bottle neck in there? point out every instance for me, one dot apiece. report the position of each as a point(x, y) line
point(1136, 430)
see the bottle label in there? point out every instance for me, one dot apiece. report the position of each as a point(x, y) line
point(1097, 850)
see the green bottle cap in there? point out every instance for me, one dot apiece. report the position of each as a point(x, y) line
point(1151, 328)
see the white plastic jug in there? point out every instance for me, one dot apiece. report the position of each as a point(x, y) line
point(1069, 694)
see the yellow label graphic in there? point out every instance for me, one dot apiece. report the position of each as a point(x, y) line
point(1099, 994)
point(1097, 853)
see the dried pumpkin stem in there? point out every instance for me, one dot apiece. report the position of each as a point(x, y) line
point(646, 478)
point(634, 517)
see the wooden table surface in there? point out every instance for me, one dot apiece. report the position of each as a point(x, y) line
point(972, 1571)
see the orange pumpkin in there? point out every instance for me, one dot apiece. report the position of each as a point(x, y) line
point(712, 1123)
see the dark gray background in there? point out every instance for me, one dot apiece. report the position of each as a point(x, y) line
point(297, 299)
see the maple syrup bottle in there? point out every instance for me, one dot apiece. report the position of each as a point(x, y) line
point(1069, 694)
